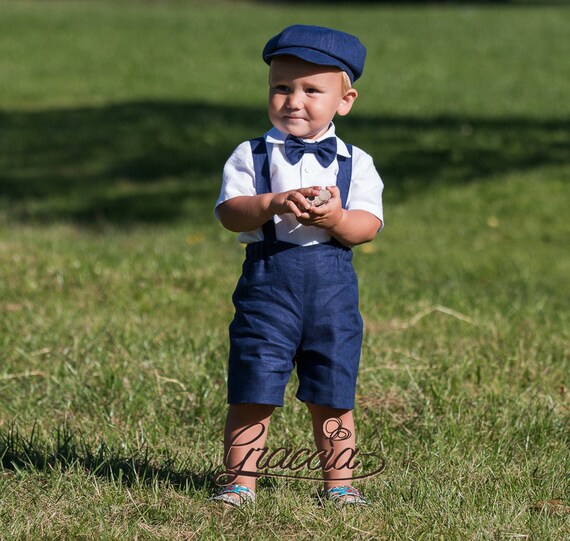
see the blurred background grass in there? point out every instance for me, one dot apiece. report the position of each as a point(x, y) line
point(127, 111)
point(115, 279)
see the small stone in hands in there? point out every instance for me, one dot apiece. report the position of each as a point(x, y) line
point(321, 199)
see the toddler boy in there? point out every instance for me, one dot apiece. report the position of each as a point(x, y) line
point(297, 299)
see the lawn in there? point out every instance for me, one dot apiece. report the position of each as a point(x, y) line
point(115, 278)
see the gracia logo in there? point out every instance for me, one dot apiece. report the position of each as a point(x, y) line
point(293, 463)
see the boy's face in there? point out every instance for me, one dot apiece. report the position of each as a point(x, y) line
point(304, 97)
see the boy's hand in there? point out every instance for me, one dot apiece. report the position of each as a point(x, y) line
point(294, 201)
point(326, 216)
point(349, 227)
point(247, 212)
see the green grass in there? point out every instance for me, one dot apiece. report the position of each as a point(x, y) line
point(115, 279)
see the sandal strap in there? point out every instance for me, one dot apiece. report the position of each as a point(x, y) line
point(345, 495)
point(245, 495)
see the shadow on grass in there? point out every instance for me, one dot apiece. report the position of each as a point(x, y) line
point(68, 450)
point(161, 161)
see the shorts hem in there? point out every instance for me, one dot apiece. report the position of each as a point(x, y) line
point(256, 401)
point(341, 404)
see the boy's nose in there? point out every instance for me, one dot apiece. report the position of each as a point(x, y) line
point(294, 101)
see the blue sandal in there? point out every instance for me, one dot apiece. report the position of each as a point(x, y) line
point(345, 495)
point(227, 495)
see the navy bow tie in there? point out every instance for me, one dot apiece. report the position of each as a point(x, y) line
point(324, 151)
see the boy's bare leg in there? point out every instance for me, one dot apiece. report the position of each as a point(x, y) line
point(340, 437)
point(246, 431)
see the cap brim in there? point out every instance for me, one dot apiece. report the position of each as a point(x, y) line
point(312, 56)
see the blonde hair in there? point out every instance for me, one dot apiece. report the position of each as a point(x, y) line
point(346, 83)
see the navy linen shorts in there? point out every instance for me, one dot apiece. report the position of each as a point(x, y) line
point(295, 305)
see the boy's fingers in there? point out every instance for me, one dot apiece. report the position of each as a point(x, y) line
point(298, 199)
point(335, 192)
point(293, 207)
point(308, 192)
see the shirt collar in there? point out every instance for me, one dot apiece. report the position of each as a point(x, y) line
point(277, 137)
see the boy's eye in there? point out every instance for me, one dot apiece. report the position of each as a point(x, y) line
point(312, 91)
point(281, 88)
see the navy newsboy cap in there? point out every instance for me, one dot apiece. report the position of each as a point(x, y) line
point(319, 45)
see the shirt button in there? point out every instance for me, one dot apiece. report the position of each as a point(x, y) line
point(308, 169)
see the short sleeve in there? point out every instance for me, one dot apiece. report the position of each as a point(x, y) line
point(366, 186)
point(239, 175)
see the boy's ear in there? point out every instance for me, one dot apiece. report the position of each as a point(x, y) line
point(346, 102)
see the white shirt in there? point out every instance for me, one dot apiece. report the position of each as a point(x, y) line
point(365, 191)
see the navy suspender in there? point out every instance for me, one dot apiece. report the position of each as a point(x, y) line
point(344, 175)
point(263, 179)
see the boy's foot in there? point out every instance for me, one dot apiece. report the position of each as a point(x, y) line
point(345, 495)
point(235, 495)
